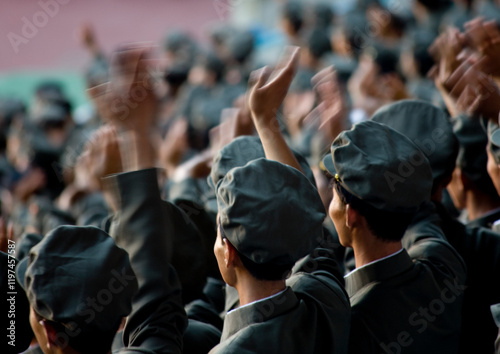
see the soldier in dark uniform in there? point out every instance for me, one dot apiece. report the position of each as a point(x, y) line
point(270, 215)
point(471, 186)
point(429, 128)
point(402, 299)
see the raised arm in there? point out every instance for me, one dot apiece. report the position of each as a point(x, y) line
point(140, 225)
point(266, 92)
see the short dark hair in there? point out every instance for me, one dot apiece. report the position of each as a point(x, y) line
point(261, 271)
point(318, 42)
point(386, 226)
point(88, 341)
point(211, 62)
point(294, 13)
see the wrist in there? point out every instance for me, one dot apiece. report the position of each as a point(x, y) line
point(137, 151)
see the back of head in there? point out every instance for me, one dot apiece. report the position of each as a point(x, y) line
point(381, 173)
point(318, 43)
point(270, 212)
point(435, 6)
point(429, 128)
point(472, 157)
point(293, 13)
point(82, 283)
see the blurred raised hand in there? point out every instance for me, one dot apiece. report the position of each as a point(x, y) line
point(129, 103)
point(332, 108)
point(484, 37)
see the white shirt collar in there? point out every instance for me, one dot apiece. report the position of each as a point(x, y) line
point(375, 261)
point(260, 300)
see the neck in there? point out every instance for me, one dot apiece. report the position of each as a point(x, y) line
point(370, 249)
point(479, 204)
point(251, 289)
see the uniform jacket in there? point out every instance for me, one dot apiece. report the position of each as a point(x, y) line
point(409, 302)
point(480, 249)
point(158, 320)
point(311, 316)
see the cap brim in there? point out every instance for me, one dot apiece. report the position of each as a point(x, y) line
point(21, 268)
point(495, 138)
point(326, 165)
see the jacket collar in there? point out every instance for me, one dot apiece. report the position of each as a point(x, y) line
point(257, 312)
point(377, 271)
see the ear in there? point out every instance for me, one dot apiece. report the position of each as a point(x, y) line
point(464, 180)
point(230, 254)
point(351, 216)
point(50, 334)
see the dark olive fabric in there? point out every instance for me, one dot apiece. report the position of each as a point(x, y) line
point(472, 158)
point(311, 316)
point(141, 226)
point(480, 249)
point(241, 151)
point(428, 127)
point(270, 212)
point(409, 302)
point(72, 264)
point(381, 167)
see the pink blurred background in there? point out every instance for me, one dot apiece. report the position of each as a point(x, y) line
point(55, 43)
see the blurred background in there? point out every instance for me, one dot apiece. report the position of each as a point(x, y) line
point(43, 40)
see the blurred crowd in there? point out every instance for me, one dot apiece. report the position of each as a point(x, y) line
point(193, 109)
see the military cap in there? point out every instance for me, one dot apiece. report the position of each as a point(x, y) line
point(49, 113)
point(472, 158)
point(176, 40)
point(78, 277)
point(381, 167)
point(240, 43)
point(241, 151)
point(270, 212)
point(428, 127)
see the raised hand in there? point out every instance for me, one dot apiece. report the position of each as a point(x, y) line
point(100, 158)
point(130, 104)
point(128, 100)
point(267, 88)
point(332, 108)
point(484, 37)
point(474, 91)
point(266, 92)
point(445, 50)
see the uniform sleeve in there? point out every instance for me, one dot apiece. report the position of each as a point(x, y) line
point(145, 231)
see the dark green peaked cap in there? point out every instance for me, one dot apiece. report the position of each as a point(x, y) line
point(239, 152)
point(381, 167)
point(270, 212)
point(428, 127)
